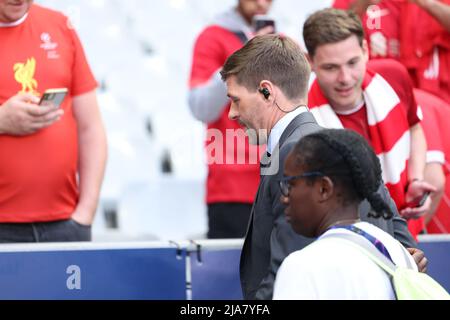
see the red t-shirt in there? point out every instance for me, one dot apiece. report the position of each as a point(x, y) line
point(38, 172)
point(425, 50)
point(228, 181)
point(404, 31)
point(436, 131)
point(430, 124)
point(381, 26)
point(356, 121)
point(395, 74)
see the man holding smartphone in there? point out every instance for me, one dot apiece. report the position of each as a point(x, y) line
point(52, 158)
point(231, 187)
point(373, 98)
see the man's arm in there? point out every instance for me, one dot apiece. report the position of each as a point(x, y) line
point(360, 6)
point(400, 227)
point(92, 155)
point(416, 171)
point(208, 101)
point(21, 115)
point(417, 159)
point(434, 174)
point(401, 232)
point(439, 10)
point(208, 93)
point(396, 227)
point(283, 241)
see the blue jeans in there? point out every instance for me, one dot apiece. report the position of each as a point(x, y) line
point(55, 231)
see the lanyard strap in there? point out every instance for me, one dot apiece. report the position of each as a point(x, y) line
point(377, 243)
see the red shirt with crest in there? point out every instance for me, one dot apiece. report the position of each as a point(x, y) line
point(38, 172)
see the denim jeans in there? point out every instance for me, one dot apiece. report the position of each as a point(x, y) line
point(55, 231)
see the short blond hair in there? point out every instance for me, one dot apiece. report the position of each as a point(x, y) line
point(331, 26)
point(275, 58)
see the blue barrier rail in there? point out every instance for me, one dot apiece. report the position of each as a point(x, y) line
point(203, 270)
point(437, 251)
point(85, 272)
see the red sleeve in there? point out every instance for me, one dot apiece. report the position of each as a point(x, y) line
point(432, 108)
point(83, 79)
point(397, 76)
point(209, 55)
point(431, 129)
point(342, 4)
point(410, 100)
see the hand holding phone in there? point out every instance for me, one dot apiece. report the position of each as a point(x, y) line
point(262, 21)
point(53, 97)
point(26, 116)
point(418, 202)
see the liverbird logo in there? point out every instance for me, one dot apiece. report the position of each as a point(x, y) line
point(24, 74)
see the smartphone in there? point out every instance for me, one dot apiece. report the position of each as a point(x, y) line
point(418, 202)
point(262, 21)
point(53, 96)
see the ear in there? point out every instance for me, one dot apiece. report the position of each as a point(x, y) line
point(325, 189)
point(310, 60)
point(365, 48)
point(266, 84)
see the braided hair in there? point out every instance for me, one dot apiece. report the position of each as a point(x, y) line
point(348, 160)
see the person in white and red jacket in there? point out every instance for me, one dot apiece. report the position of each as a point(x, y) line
point(425, 52)
point(374, 99)
point(231, 183)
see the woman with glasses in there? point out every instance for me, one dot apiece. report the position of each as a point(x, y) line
point(327, 175)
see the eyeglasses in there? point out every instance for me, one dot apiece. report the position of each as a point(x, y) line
point(285, 187)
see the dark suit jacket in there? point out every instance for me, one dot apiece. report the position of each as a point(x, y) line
point(270, 237)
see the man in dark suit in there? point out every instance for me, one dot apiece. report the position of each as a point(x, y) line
point(267, 82)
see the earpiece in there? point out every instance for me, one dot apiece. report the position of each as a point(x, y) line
point(265, 92)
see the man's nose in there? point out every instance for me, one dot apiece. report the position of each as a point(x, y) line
point(233, 113)
point(344, 75)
